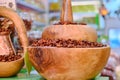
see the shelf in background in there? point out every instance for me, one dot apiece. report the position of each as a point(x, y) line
point(38, 23)
point(30, 6)
point(54, 14)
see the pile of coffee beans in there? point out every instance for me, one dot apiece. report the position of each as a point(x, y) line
point(66, 43)
point(9, 58)
point(70, 23)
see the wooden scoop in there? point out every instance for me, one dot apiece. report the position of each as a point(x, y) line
point(64, 31)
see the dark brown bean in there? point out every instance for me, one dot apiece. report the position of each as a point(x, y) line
point(8, 58)
point(66, 43)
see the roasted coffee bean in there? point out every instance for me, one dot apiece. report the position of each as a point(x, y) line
point(8, 58)
point(66, 43)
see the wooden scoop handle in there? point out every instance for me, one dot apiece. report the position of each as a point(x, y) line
point(66, 13)
point(19, 24)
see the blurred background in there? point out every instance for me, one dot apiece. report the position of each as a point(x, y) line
point(103, 15)
point(45, 12)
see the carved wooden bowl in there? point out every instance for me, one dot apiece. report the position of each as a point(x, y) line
point(68, 63)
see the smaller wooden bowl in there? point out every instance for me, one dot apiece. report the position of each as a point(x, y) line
point(11, 68)
point(69, 63)
point(8, 69)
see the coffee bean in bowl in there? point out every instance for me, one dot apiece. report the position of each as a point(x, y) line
point(67, 43)
point(9, 58)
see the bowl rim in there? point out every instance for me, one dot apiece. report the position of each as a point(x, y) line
point(68, 48)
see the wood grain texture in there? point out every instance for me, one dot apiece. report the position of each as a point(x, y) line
point(66, 13)
point(74, 32)
point(69, 63)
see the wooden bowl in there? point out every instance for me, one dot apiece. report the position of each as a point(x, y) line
point(68, 63)
point(11, 68)
point(8, 69)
